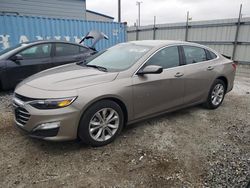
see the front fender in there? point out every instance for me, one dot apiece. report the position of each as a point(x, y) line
point(103, 97)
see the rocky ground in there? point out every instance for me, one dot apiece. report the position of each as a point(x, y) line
point(194, 147)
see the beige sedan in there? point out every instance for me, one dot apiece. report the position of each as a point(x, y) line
point(94, 99)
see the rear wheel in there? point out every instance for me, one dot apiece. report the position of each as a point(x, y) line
point(216, 94)
point(101, 123)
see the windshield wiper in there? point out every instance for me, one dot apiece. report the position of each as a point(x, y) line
point(81, 62)
point(94, 66)
point(97, 67)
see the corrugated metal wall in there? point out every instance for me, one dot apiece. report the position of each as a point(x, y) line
point(93, 16)
point(16, 29)
point(74, 9)
point(217, 34)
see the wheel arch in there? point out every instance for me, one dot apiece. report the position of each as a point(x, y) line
point(224, 79)
point(115, 99)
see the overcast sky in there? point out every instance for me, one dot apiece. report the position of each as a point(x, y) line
point(169, 11)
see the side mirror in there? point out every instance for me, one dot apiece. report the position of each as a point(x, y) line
point(16, 57)
point(150, 69)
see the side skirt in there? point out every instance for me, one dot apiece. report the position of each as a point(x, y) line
point(163, 112)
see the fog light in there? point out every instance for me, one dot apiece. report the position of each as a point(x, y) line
point(45, 126)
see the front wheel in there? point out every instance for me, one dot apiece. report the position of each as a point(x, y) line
point(101, 123)
point(216, 94)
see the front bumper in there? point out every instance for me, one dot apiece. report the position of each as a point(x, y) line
point(54, 125)
point(46, 134)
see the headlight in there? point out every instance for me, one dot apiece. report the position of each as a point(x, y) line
point(52, 103)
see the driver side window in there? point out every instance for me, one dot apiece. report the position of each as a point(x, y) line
point(166, 58)
point(37, 51)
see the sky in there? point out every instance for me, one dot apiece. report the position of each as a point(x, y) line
point(170, 11)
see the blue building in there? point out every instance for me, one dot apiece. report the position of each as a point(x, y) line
point(70, 9)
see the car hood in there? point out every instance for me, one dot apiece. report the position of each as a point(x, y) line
point(96, 36)
point(68, 77)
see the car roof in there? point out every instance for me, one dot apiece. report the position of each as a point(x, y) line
point(52, 41)
point(159, 43)
point(24, 45)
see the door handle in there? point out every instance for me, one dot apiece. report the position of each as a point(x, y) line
point(178, 74)
point(210, 68)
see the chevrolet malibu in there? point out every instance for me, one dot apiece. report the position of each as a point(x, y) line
point(94, 99)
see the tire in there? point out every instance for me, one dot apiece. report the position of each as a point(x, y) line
point(211, 102)
point(105, 118)
point(1, 84)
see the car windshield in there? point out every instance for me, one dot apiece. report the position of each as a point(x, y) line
point(119, 57)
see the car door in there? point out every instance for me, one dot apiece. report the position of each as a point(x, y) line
point(67, 53)
point(33, 59)
point(199, 73)
point(155, 93)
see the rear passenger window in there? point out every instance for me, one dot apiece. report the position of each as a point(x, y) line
point(194, 54)
point(212, 55)
point(167, 58)
point(63, 49)
point(83, 49)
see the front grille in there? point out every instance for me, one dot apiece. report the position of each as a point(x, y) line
point(22, 116)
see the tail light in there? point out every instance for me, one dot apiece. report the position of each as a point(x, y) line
point(234, 65)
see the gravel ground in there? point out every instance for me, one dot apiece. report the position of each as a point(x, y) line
point(194, 147)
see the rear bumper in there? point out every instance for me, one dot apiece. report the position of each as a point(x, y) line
point(231, 79)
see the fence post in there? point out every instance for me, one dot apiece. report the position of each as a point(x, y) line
point(137, 33)
point(186, 33)
point(237, 34)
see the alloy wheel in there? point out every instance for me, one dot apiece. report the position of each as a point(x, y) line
point(217, 94)
point(104, 124)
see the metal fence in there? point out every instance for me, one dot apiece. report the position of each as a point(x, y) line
point(217, 34)
point(17, 29)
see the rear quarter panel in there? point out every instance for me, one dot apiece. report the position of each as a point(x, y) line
point(199, 80)
point(229, 73)
point(224, 68)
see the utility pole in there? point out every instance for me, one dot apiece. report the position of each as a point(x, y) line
point(119, 10)
point(186, 34)
point(138, 3)
point(237, 33)
point(154, 28)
